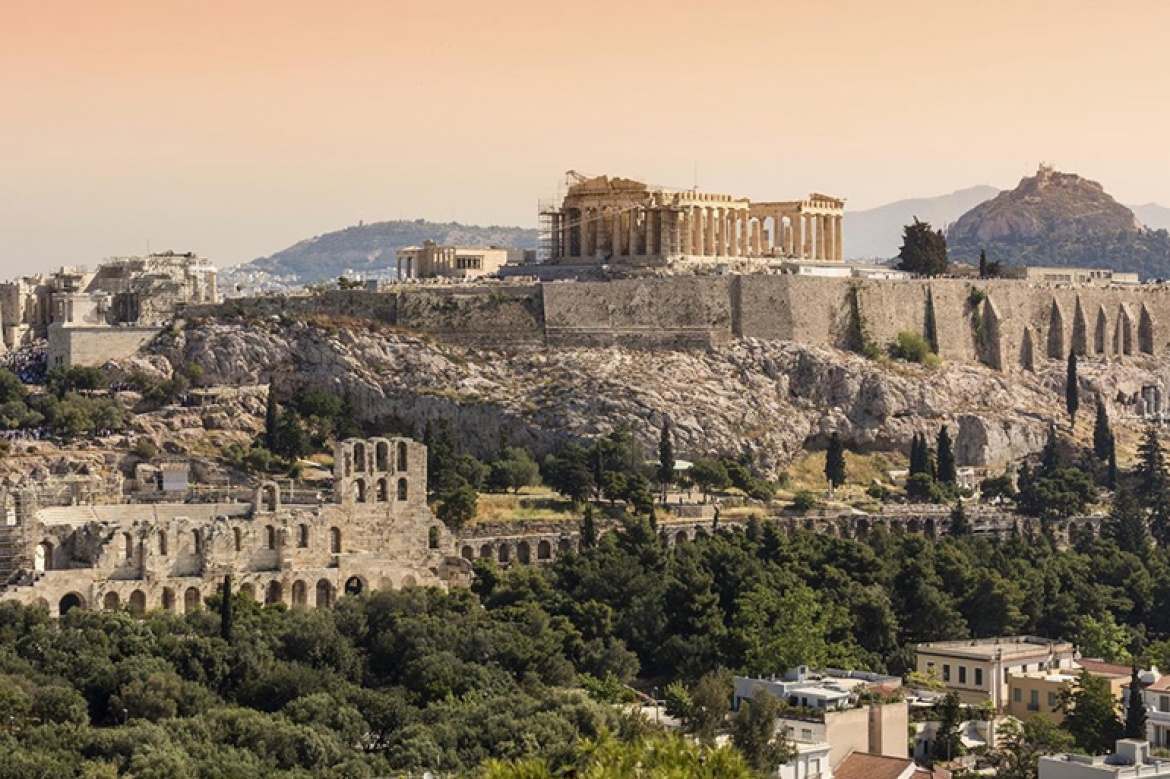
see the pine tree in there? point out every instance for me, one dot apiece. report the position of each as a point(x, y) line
point(1050, 457)
point(1135, 710)
point(1102, 435)
point(946, 458)
point(665, 457)
point(835, 461)
point(1151, 469)
point(924, 251)
point(1072, 397)
point(1127, 523)
point(227, 610)
point(270, 420)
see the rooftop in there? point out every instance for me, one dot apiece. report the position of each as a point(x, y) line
point(862, 765)
point(1002, 647)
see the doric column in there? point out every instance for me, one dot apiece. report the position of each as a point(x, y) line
point(759, 238)
point(590, 225)
point(709, 241)
point(733, 239)
point(839, 232)
point(615, 235)
point(821, 237)
point(806, 237)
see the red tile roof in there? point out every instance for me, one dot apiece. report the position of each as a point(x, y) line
point(861, 765)
point(1102, 668)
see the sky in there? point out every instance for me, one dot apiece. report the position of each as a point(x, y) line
point(234, 129)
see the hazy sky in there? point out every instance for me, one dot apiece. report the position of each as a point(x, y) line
point(237, 128)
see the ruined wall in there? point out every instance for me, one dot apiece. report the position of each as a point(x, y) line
point(95, 345)
point(505, 316)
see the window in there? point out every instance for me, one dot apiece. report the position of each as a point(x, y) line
point(978, 677)
point(270, 536)
point(962, 674)
point(1164, 703)
point(237, 538)
point(1034, 701)
point(1052, 700)
point(303, 537)
point(1017, 694)
point(946, 672)
point(806, 734)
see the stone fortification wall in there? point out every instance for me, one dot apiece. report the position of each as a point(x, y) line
point(499, 316)
point(672, 312)
point(96, 345)
point(359, 304)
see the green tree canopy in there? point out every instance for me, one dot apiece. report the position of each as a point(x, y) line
point(924, 250)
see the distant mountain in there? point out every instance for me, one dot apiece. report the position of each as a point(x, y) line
point(1153, 216)
point(363, 249)
point(1062, 220)
point(877, 233)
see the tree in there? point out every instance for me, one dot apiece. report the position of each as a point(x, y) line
point(588, 529)
point(665, 457)
point(948, 742)
point(710, 702)
point(924, 251)
point(458, 504)
point(960, 525)
point(1050, 455)
point(754, 733)
point(513, 470)
point(1127, 524)
point(1072, 395)
point(291, 440)
point(982, 263)
point(835, 461)
point(1102, 434)
point(227, 614)
point(270, 419)
point(946, 458)
point(1090, 714)
point(568, 472)
point(1151, 469)
point(710, 476)
point(1135, 709)
point(1022, 744)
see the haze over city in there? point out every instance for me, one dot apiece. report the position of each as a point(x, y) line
point(236, 129)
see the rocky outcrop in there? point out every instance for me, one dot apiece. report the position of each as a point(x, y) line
point(769, 399)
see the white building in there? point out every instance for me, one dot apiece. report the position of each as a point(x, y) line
point(1131, 760)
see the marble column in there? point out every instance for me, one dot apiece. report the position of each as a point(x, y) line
point(839, 232)
point(733, 239)
point(709, 242)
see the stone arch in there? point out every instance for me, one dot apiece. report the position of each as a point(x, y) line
point(382, 456)
point(71, 601)
point(324, 594)
point(192, 600)
point(335, 540)
point(359, 457)
point(1101, 332)
point(861, 527)
point(138, 603)
point(485, 551)
point(300, 593)
point(409, 581)
point(1056, 348)
point(681, 537)
point(238, 539)
point(128, 544)
point(565, 545)
point(523, 552)
point(383, 492)
point(1123, 337)
point(168, 599)
point(111, 601)
point(1145, 331)
point(433, 537)
point(504, 553)
point(275, 592)
point(544, 550)
point(402, 456)
point(913, 526)
point(355, 585)
point(270, 536)
point(929, 528)
point(248, 591)
point(360, 490)
point(1080, 330)
point(700, 533)
point(43, 557)
point(403, 490)
point(268, 497)
point(303, 536)
point(467, 553)
point(1028, 350)
point(197, 541)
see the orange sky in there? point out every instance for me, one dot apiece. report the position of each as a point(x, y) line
point(236, 128)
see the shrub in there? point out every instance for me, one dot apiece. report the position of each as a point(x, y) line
point(804, 501)
point(912, 347)
point(145, 449)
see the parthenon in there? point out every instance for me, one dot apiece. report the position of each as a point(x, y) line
point(603, 220)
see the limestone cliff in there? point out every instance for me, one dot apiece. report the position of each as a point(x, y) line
point(770, 399)
point(1064, 220)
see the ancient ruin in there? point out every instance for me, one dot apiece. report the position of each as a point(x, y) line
point(615, 220)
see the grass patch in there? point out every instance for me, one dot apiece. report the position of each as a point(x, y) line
point(541, 507)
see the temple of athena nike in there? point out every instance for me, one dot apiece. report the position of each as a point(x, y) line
point(604, 220)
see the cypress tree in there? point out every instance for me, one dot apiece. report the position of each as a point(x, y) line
point(1102, 435)
point(270, 420)
point(946, 457)
point(665, 457)
point(1151, 469)
point(982, 263)
point(1127, 523)
point(226, 610)
point(835, 461)
point(1135, 709)
point(915, 456)
point(1072, 397)
point(1111, 473)
point(588, 529)
point(960, 525)
point(1050, 457)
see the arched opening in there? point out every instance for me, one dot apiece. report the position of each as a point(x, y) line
point(192, 600)
point(354, 586)
point(303, 536)
point(43, 557)
point(197, 541)
point(271, 497)
point(360, 490)
point(138, 603)
point(162, 543)
point(402, 489)
point(700, 533)
point(383, 491)
point(401, 455)
point(1101, 332)
point(505, 553)
point(248, 591)
point(565, 545)
point(544, 550)
point(335, 540)
point(680, 537)
point(128, 543)
point(324, 594)
point(930, 529)
point(270, 536)
point(409, 581)
point(70, 602)
point(467, 553)
point(359, 457)
point(433, 537)
point(1124, 336)
point(275, 593)
point(168, 599)
point(237, 539)
point(111, 602)
point(382, 456)
point(300, 593)
point(524, 552)
point(485, 551)
point(913, 526)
